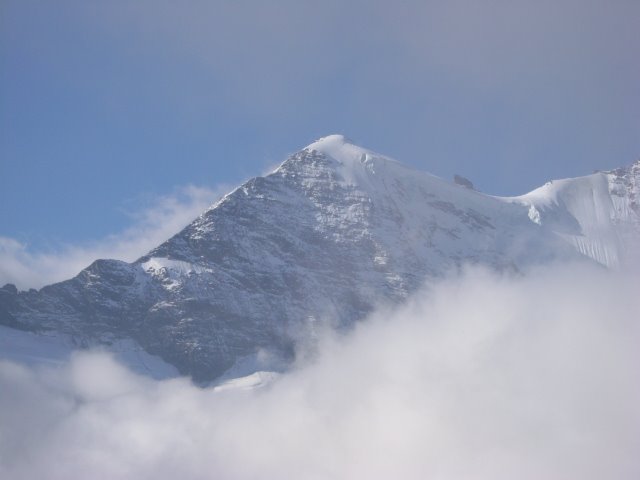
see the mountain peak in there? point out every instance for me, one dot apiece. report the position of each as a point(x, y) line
point(334, 231)
point(330, 141)
point(340, 148)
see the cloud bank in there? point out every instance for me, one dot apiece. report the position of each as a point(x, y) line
point(166, 216)
point(484, 377)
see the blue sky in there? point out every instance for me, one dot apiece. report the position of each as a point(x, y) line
point(111, 112)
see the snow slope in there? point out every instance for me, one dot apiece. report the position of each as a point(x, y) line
point(599, 214)
point(53, 348)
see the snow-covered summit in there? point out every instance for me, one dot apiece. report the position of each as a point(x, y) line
point(338, 147)
point(334, 231)
point(347, 154)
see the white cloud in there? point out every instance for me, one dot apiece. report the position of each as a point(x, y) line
point(166, 216)
point(485, 377)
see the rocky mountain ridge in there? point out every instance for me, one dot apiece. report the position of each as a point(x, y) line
point(334, 231)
